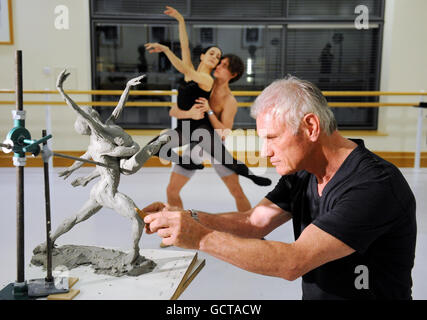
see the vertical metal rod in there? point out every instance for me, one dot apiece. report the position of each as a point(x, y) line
point(20, 260)
point(48, 115)
point(49, 277)
point(417, 162)
point(19, 86)
point(19, 181)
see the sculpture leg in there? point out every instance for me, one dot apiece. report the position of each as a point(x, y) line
point(89, 209)
point(137, 228)
point(123, 205)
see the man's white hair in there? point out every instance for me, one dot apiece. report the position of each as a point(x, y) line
point(289, 99)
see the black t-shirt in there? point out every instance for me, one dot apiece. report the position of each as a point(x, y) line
point(369, 206)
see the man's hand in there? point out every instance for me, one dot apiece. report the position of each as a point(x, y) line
point(197, 112)
point(202, 104)
point(155, 207)
point(177, 228)
point(152, 208)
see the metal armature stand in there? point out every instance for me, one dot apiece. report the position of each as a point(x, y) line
point(19, 289)
point(19, 141)
point(48, 285)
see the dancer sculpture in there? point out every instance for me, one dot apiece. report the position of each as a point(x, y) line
point(112, 146)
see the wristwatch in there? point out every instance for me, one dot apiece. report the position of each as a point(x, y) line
point(194, 214)
point(210, 112)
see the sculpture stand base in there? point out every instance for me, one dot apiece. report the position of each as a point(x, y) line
point(8, 293)
point(103, 261)
point(43, 288)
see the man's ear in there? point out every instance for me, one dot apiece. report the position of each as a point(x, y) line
point(311, 126)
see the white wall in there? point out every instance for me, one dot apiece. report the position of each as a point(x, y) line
point(404, 67)
point(43, 46)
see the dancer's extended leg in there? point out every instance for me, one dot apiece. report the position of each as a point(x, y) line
point(210, 141)
point(176, 140)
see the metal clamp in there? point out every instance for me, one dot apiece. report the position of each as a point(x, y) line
point(46, 153)
point(18, 114)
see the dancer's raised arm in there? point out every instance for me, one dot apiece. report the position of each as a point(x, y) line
point(183, 36)
point(204, 80)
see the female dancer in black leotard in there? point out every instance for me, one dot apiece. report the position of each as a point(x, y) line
point(196, 128)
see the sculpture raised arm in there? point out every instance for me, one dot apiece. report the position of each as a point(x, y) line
point(123, 98)
point(59, 85)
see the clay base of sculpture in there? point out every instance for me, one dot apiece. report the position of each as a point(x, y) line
point(103, 261)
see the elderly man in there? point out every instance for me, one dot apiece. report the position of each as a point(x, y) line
point(353, 213)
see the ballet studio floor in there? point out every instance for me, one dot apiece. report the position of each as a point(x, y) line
point(217, 280)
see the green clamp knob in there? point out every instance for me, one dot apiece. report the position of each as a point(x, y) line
point(33, 145)
point(17, 136)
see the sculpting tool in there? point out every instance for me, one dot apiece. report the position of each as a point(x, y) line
point(142, 215)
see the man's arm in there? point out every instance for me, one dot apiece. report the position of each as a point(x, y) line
point(224, 124)
point(228, 114)
point(285, 260)
point(195, 112)
point(254, 223)
point(312, 249)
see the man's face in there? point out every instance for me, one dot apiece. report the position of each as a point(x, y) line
point(287, 152)
point(221, 71)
